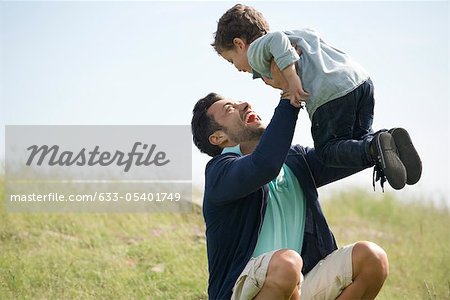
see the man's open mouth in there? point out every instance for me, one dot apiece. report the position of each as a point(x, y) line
point(250, 117)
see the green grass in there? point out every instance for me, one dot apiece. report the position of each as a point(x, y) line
point(415, 236)
point(102, 256)
point(163, 256)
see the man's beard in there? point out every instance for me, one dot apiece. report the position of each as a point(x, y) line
point(245, 134)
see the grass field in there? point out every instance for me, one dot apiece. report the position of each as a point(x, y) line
point(415, 236)
point(163, 256)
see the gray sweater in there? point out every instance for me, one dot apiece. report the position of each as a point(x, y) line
point(326, 72)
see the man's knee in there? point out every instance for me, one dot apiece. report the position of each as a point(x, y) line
point(369, 257)
point(284, 270)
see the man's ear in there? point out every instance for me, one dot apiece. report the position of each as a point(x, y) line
point(240, 43)
point(218, 138)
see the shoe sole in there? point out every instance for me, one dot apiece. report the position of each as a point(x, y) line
point(392, 166)
point(408, 155)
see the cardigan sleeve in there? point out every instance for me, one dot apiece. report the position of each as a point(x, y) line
point(230, 176)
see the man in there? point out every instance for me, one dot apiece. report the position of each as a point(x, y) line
point(265, 229)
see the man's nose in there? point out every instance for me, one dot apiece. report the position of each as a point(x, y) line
point(241, 106)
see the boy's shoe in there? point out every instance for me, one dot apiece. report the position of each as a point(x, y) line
point(387, 161)
point(408, 155)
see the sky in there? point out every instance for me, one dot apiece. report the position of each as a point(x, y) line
point(147, 63)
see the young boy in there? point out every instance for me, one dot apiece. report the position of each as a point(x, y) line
point(338, 93)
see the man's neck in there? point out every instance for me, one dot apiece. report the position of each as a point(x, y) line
point(248, 147)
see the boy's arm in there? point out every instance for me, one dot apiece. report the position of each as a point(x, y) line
point(276, 45)
point(278, 81)
point(284, 82)
point(296, 93)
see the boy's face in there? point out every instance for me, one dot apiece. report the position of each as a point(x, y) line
point(238, 56)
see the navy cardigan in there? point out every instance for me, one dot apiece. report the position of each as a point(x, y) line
point(236, 195)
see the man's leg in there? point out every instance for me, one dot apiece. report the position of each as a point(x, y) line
point(283, 276)
point(370, 269)
point(272, 275)
point(355, 271)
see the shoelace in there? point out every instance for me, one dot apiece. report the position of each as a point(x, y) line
point(378, 174)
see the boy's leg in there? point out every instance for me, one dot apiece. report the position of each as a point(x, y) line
point(408, 155)
point(355, 271)
point(342, 129)
point(387, 160)
point(273, 275)
point(343, 136)
point(364, 111)
point(404, 147)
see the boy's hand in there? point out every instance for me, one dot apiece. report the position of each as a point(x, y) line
point(296, 94)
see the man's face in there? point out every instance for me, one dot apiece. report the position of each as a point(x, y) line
point(238, 121)
point(238, 57)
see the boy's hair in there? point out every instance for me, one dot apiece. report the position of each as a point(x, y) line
point(203, 125)
point(240, 21)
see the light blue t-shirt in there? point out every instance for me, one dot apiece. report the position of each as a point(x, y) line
point(284, 220)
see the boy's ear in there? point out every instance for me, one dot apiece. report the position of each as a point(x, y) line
point(218, 138)
point(240, 43)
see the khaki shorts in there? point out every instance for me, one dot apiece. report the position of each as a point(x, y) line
point(326, 280)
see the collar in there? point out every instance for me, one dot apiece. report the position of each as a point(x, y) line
point(235, 149)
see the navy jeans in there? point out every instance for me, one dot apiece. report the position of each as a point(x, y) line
point(342, 128)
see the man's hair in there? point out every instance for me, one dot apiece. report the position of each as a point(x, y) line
point(203, 125)
point(240, 21)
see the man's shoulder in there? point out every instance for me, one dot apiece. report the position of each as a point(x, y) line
point(220, 159)
point(217, 166)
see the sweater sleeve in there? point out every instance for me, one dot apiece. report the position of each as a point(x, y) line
point(272, 45)
point(323, 174)
point(230, 177)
